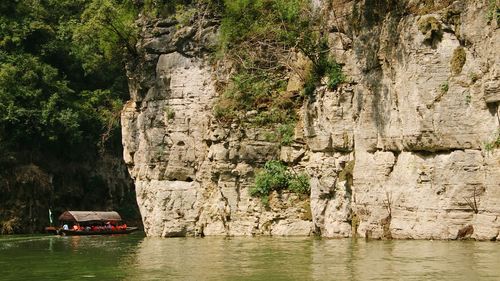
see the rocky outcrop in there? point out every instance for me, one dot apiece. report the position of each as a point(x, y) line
point(421, 168)
point(192, 175)
point(397, 152)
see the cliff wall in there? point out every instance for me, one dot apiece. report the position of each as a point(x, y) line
point(399, 151)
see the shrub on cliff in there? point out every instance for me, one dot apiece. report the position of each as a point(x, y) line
point(458, 60)
point(275, 177)
point(260, 38)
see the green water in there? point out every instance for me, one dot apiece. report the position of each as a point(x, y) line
point(134, 257)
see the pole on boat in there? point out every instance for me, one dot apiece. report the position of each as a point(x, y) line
point(50, 217)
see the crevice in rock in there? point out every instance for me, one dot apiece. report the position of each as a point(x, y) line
point(465, 232)
point(396, 156)
point(225, 216)
point(386, 227)
point(238, 191)
point(424, 152)
point(267, 226)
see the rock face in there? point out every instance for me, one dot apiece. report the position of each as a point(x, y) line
point(192, 175)
point(398, 152)
point(424, 113)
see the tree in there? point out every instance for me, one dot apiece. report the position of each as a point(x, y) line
point(62, 78)
point(106, 28)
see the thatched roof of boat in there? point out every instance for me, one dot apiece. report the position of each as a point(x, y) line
point(84, 216)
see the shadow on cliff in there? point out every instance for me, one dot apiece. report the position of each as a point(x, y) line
point(31, 184)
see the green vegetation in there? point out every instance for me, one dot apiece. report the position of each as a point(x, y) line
point(425, 7)
point(286, 133)
point(275, 177)
point(260, 37)
point(258, 41)
point(324, 66)
point(468, 98)
point(494, 144)
point(62, 80)
point(170, 113)
point(430, 28)
point(184, 14)
point(182, 10)
point(445, 86)
point(458, 60)
point(493, 11)
point(62, 86)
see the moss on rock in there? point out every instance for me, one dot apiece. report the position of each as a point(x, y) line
point(347, 171)
point(430, 28)
point(458, 60)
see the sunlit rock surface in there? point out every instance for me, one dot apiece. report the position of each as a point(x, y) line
point(396, 152)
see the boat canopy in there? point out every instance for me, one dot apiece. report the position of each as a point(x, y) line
point(85, 216)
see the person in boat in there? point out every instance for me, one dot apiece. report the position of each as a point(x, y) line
point(75, 227)
point(65, 226)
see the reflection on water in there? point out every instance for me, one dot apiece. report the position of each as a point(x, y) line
point(314, 259)
point(224, 259)
point(134, 257)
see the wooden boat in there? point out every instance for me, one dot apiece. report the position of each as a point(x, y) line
point(90, 223)
point(71, 232)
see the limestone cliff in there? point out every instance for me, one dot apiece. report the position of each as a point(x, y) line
point(397, 152)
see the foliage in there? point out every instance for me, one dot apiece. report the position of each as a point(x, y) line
point(334, 74)
point(444, 87)
point(324, 65)
point(259, 90)
point(106, 27)
point(260, 37)
point(275, 177)
point(493, 11)
point(170, 113)
point(9, 226)
point(468, 98)
point(184, 14)
point(426, 7)
point(286, 133)
point(62, 87)
point(430, 27)
point(62, 80)
point(181, 9)
point(494, 144)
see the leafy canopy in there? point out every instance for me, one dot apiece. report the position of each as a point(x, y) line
point(62, 80)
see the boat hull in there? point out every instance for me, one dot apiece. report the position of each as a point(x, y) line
point(71, 232)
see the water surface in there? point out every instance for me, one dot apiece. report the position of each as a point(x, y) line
point(134, 257)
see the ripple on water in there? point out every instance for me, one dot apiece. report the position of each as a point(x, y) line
point(134, 257)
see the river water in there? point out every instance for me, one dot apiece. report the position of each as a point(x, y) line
point(134, 257)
